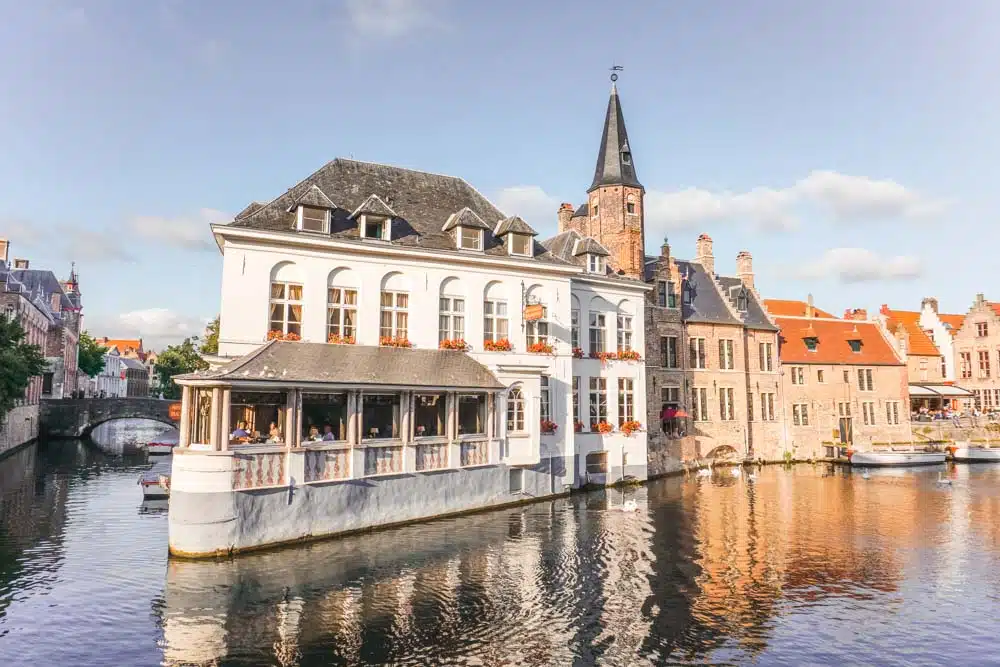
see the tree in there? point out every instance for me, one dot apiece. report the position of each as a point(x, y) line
point(91, 359)
point(176, 360)
point(210, 345)
point(19, 362)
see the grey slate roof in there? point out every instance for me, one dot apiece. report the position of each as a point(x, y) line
point(465, 218)
point(44, 282)
point(613, 168)
point(355, 364)
point(514, 225)
point(422, 202)
point(755, 317)
point(251, 208)
point(589, 246)
point(561, 246)
point(582, 211)
point(373, 206)
point(312, 197)
point(706, 304)
point(134, 364)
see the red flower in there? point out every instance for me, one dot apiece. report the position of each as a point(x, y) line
point(629, 355)
point(602, 427)
point(501, 345)
point(549, 426)
point(630, 427)
point(604, 356)
point(540, 348)
point(394, 341)
point(453, 344)
point(578, 353)
point(340, 340)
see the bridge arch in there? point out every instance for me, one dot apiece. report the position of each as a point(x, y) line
point(724, 452)
point(77, 418)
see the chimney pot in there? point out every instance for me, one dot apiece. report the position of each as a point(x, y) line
point(703, 253)
point(744, 268)
point(931, 302)
point(4, 250)
point(564, 215)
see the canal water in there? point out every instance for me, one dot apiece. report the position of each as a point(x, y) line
point(799, 565)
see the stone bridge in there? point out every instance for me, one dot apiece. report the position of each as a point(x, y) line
point(76, 418)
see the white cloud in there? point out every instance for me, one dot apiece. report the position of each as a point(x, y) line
point(191, 233)
point(395, 18)
point(857, 197)
point(538, 208)
point(859, 265)
point(684, 209)
point(158, 327)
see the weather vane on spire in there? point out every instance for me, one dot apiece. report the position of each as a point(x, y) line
point(614, 72)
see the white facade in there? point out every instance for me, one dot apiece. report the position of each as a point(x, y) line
point(110, 382)
point(253, 259)
point(941, 335)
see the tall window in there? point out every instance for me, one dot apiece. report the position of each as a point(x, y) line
point(668, 348)
point(380, 416)
point(767, 407)
point(494, 319)
point(798, 375)
point(624, 332)
point(574, 328)
point(626, 401)
point(984, 363)
point(819, 376)
point(868, 412)
point(671, 296)
point(598, 401)
point(394, 314)
point(847, 377)
point(697, 350)
point(965, 359)
point(844, 409)
point(515, 410)
point(341, 312)
point(286, 308)
point(699, 404)
point(865, 380)
point(766, 357)
point(923, 369)
point(471, 414)
point(545, 406)
point(726, 355)
point(727, 412)
point(451, 321)
point(800, 414)
point(892, 412)
point(982, 329)
point(576, 398)
point(537, 331)
point(430, 415)
point(944, 368)
point(597, 334)
point(661, 293)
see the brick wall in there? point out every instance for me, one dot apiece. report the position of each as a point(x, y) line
point(618, 230)
point(984, 378)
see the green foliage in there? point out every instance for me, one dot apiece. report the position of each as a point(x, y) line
point(210, 345)
point(19, 362)
point(177, 360)
point(91, 359)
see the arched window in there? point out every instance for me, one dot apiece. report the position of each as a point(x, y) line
point(536, 331)
point(342, 307)
point(451, 319)
point(395, 302)
point(515, 410)
point(285, 301)
point(495, 322)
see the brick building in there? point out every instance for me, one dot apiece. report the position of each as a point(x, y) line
point(977, 353)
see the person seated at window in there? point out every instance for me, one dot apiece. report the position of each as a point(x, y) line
point(314, 434)
point(328, 433)
point(240, 433)
point(274, 436)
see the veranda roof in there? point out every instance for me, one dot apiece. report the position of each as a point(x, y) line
point(938, 390)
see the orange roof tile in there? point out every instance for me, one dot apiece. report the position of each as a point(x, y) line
point(833, 347)
point(919, 344)
point(792, 308)
point(122, 344)
point(953, 321)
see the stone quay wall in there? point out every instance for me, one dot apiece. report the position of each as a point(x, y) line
point(20, 426)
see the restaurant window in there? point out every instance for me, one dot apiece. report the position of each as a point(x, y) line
point(430, 415)
point(626, 400)
point(324, 417)
point(598, 401)
point(668, 350)
point(286, 308)
point(597, 339)
point(767, 407)
point(800, 414)
point(624, 332)
point(342, 313)
point(201, 416)
point(727, 409)
point(515, 410)
point(865, 380)
point(494, 320)
point(574, 328)
point(545, 407)
point(699, 404)
point(766, 359)
point(395, 317)
point(451, 321)
point(697, 351)
point(252, 415)
point(984, 363)
point(380, 416)
point(471, 414)
point(726, 361)
point(537, 331)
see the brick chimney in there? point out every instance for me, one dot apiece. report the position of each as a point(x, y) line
point(55, 302)
point(744, 268)
point(4, 250)
point(703, 253)
point(565, 213)
point(859, 314)
point(810, 310)
point(929, 301)
point(980, 299)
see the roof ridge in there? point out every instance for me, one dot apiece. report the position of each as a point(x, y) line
point(250, 356)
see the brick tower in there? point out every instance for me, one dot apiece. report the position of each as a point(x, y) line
point(615, 198)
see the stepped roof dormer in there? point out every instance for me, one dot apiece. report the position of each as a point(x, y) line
point(614, 158)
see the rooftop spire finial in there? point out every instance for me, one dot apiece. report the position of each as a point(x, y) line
point(614, 72)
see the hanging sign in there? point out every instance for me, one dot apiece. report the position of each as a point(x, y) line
point(174, 412)
point(535, 311)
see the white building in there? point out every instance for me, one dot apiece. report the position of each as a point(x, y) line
point(941, 328)
point(110, 382)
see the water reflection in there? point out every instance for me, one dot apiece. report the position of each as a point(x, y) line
point(127, 436)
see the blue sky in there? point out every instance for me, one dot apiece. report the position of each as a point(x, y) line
point(850, 146)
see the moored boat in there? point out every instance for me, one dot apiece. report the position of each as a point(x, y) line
point(896, 458)
point(965, 452)
point(155, 486)
point(164, 444)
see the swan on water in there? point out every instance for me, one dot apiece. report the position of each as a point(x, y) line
point(704, 472)
point(630, 506)
point(736, 471)
point(941, 481)
point(864, 474)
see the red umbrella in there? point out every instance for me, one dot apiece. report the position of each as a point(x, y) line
point(681, 414)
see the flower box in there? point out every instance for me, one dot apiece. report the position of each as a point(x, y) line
point(604, 356)
point(578, 353)
point(548, 426)
point(453, 344)
point(630, 427)
point(629, 355)
point(602, 427)
point(394, 341)
point(578, 427)
point(540, 348)
point(502, 345)
point(274, 334)
point(340, 340)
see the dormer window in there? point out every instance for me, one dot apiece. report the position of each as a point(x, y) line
point(595, 264)
point(374, 227)
point(520, 244)
point(470, 238)
point(312, 219)
point(855, 345)
point(741, 301)
point(626, 156)
point(811, 343)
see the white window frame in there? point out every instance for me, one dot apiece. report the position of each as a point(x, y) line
point(727, 360)
point(386, 224)
point(800, 414)
point(396, 313)
point(286, 303)
point(699, 404)
point(492, 320)
point(597, 332)
point(892, 413)
point(342, 308)
point(545, 403)
point(626, 400)
point(698, 354)
point(598, 402)
point(460, 238)
point(595, 263)
point(727, 407)
point(515, 410)
point(301, 219)
point(767, 406)
point(625, 334)
point(574, 328)
point(527, 241)
point(868, 412)
point(537, 331)
point(866, 381)
point(451, 318)
point(798, 375)
point(765, 356)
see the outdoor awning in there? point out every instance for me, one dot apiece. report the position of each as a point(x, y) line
point(934, 390)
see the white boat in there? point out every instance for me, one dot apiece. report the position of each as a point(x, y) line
point(155, 485)
point(164, 443)
point(896, 458)
point(964, 451)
